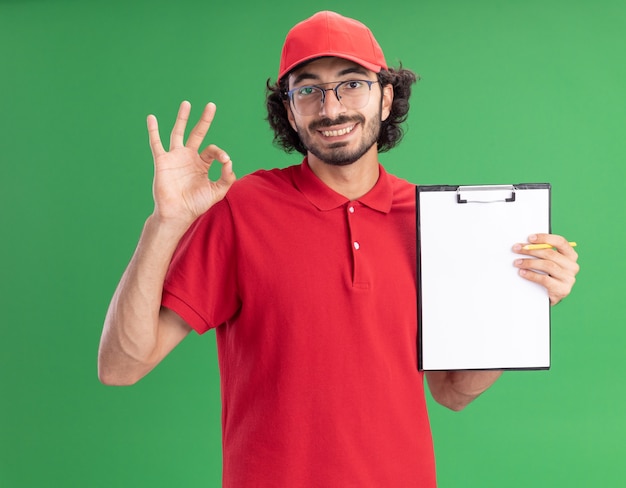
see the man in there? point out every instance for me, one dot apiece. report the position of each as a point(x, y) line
point(308, 276)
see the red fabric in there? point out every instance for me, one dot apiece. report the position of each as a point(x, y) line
point(316, 339)
point(330, 34)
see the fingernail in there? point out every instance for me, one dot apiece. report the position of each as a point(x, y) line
point(517, 247)
point(518, 262)
point(532, 238)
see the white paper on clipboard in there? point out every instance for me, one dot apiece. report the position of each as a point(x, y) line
point(474, 310)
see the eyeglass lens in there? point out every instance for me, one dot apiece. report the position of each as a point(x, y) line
point(352, 94)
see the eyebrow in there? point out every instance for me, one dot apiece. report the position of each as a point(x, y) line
point(310, 76)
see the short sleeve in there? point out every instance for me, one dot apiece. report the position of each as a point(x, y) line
point(201, 282)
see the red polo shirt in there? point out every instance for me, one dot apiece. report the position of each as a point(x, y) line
point(313, 298)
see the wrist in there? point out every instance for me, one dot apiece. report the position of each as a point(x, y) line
point(168, 229)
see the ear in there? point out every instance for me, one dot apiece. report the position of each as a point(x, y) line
point(386, 101)
point(290, 115)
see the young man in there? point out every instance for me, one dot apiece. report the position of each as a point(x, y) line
point(308, 276)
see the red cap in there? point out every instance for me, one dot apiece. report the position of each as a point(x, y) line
point(330, 34)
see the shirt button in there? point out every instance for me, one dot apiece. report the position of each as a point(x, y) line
point(351, 209)
point(356, 245)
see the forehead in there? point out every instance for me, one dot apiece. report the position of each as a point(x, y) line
point(328, 69)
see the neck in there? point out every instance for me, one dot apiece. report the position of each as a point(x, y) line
point(352, 180)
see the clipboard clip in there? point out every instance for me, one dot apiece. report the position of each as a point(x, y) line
point(485, 194)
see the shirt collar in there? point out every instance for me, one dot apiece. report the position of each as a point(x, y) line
point(324, 198)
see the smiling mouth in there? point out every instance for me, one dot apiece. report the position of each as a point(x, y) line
point(339, 132)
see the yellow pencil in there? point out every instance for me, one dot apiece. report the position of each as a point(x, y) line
point(530, 247)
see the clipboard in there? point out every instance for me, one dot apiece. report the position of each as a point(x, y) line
point(474, 310)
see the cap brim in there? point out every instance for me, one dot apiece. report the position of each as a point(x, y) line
point(376, 68)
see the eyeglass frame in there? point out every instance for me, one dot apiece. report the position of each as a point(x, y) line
point(289, 93)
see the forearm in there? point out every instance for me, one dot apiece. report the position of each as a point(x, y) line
point(129, 342)
point(456, 389)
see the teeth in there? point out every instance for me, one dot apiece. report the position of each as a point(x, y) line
point(335, 133)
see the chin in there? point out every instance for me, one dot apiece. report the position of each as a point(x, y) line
point(338, 157)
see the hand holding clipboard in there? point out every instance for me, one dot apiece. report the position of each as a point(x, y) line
point(562, 273)
point(474, 311)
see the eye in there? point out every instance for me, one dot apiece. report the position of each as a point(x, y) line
point(305, 91)
point(353, 84)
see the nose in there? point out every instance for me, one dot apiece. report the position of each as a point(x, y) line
point(331, 104)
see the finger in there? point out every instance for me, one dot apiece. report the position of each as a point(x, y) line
point(563, 260)
point(561, 252)
point(213, 153)
point(198, 133)
point(178, 132)
point(551, 261)
point(557, 290)
point(153, 136)
point(227, 176)
point(557, 274)
point(545, 266)
point(556, 241)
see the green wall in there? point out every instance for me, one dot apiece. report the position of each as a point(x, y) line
point(511, 92)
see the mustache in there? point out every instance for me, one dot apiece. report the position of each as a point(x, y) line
point(342, 119)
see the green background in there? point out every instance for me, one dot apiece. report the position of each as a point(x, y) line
point(512, 91)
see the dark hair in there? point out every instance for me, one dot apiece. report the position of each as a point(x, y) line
point(391, 131)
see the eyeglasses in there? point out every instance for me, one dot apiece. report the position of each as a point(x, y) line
point(352, 94)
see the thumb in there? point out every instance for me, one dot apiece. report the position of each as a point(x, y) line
point(227, 177)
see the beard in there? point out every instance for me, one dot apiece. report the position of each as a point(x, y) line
point(338, 154)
